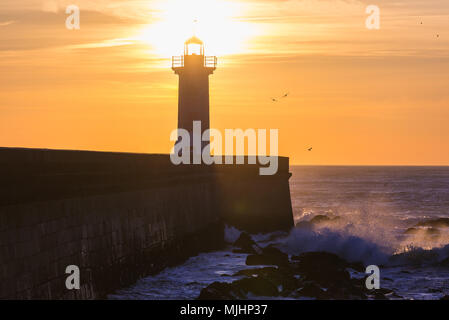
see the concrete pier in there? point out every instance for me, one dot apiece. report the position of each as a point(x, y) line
point(120, 216)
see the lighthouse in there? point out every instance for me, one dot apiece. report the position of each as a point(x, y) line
point(194, 69)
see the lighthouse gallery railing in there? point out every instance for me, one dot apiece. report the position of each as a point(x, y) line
point(209, 61)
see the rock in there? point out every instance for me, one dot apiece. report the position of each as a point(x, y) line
point(444, 263)
point(321, 258)
point(256, 285)
point(427, 231)
point(320, 219)
point(323, 267)
point(276, 254)
point(244, 241)
point(328, 270)
point(304, 225)
point(221, 291)
point(312, 290)
point(295, 258)
point(319, 275)
point(241, 251)
point(246, 244)
point(257, 259)
point(280, 277)
point(382, 294)
point(260, 259)
point(384, 291)
point(269, 256)
point(357, 266)
point(432, 232)
point(289, 283)
point(379, 296)
point(411, 231)
point(266, 272)
point(414, 257)
point(396, 296)
point(346, 292)
point(437, 223)
point(239, 289)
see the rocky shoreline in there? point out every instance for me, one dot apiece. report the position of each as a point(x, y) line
point(311, 275)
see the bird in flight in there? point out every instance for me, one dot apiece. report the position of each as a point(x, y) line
point(438, 35)
point(310, 149)
point(282, 97)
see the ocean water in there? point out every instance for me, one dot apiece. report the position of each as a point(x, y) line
point(375, 206)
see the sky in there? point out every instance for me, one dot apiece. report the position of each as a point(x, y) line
point(357, 96)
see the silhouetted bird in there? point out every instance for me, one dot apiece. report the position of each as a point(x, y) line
point(310, 149)
point(438, 35)
point(282, 97)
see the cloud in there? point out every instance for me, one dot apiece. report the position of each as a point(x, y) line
point(31, 30)
point(103, 44)
point(6, 23)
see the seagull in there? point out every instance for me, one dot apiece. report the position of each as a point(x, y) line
point(438, 35)
point(310, 149)
point(283, 96)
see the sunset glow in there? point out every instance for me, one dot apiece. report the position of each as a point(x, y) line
point(213, 21)
point(356, 95)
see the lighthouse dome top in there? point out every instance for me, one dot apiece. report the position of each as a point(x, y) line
point(194, 40)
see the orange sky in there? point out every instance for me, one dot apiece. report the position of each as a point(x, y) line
point(357, 96)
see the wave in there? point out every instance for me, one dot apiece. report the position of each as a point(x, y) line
point(356, 249)
point(360, 238)
point(349, 247)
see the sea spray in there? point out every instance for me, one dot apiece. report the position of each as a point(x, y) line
point(349, 247)
point(231, 234)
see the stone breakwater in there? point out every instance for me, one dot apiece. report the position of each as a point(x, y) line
point(119, 217)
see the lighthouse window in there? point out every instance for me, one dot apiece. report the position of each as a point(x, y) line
point(194, 48)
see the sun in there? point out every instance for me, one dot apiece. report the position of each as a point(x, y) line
point(216, 22)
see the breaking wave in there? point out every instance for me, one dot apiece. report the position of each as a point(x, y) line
point(349, 247)
point(362, 240)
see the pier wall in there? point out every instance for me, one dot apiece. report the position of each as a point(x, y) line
point(119, 217)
